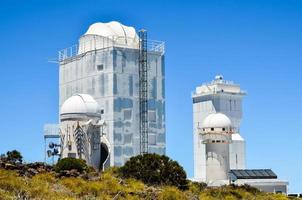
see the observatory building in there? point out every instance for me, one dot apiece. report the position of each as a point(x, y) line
point(217, 112)
point(99, 94)
point(81, 131)
point(219, 148)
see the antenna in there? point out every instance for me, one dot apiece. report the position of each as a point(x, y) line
point(143, 91)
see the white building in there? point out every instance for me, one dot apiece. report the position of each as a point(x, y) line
point(104, 65)
point(219, 149)
point(81, 131)
point(222, 97)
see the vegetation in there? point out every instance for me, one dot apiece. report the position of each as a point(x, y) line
point(13, 156)
point(108, 186)
point(71, 164)
point(115, 183)
point(154, 169)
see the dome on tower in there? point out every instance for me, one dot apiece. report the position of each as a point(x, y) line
point(103, 35)
point(112, 29)
point(217, 120)
point(80, 105)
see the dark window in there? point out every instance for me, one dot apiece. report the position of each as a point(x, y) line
point(69, 147)
point(100, 67)
point(212, 129)
point(223, 129)
point(102, 111)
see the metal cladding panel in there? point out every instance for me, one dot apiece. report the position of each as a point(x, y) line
point(237, 154)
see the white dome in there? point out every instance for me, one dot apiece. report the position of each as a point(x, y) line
point(102, 35)
point(216, 120)
point(80, 104)
point(110, 29)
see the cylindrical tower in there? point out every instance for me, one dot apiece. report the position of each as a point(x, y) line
point(216, 134)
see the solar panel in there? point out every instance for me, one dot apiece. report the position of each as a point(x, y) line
point(257, 172)
point(254, 174)
point(263, 172)
point(250, 173)
point(237, 173)
point(243, 172)
point(270, 172)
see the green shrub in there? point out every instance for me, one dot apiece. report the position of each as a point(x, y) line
point(13, 156)
point(11, 182)
point(71, 163)
point(197, 187)
point(154, 169)
point(172, 193)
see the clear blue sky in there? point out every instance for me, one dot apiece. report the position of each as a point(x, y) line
point(256, 43)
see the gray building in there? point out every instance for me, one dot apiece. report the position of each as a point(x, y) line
point(104, 65)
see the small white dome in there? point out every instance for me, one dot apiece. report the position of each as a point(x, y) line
point(216, 120)
point(80, 104)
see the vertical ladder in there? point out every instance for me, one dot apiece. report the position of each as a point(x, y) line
point(143, 91)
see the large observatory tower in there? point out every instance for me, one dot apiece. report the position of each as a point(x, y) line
point(105, 65)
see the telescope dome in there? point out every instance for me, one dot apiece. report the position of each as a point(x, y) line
point(103, 35)
point(216, 120)
point(110, 29)
point(80, 105)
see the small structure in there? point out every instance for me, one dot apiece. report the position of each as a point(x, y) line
point(82, 131)
point(51, 133)
point(263, 179)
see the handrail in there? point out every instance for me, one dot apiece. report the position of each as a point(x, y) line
point(100, 42)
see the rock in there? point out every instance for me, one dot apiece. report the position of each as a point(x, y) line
point(32, 171)
point(10, 166)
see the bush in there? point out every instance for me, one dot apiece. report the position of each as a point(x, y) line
point(197, 187)
point(13, 156)
point(154, 169)
point(171, 193)
point(71, 163)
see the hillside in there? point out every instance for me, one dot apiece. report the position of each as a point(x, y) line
point(44, 184)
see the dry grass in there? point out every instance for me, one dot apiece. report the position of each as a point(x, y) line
point(109, 185)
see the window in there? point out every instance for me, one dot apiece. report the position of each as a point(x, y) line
point(212, 129)
point(100, 67)
point(152, 140)
point(71, 155)
point(223, 129)
point(127, 114)
point(152, 115)
point(102, 111)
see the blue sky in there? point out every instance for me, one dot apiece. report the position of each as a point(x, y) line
point(257, 44)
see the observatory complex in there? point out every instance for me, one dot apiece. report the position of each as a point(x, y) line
point(112, 107)
point(219, 148)
point(111, 96)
